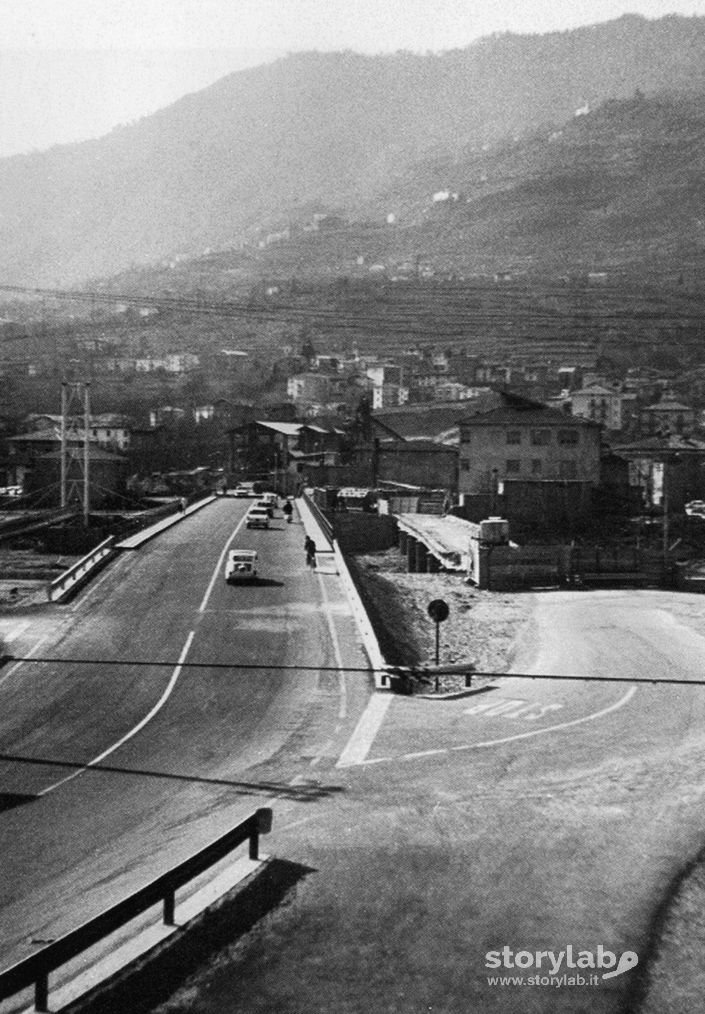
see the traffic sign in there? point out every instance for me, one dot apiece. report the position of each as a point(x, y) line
point(438, 610)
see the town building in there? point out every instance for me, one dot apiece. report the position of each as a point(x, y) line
point(542, 463)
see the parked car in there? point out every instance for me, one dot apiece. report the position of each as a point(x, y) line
point(257, 517)
point(695, 508)
point(241, 565)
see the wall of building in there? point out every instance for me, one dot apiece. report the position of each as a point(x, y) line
point(430, 467)
point(492, 454)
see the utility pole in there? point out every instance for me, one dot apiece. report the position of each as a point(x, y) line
point(75, 460)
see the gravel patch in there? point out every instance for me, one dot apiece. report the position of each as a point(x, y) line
point(482, 626)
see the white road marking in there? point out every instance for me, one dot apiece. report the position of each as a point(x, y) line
point(343, 710)
point(219, 565)
point(507, 739)
point(555, 728)
point(14, 632)
point(363, 736)
point(28, 654)
point(342, 689)
point(512, 707)
point(140, 725)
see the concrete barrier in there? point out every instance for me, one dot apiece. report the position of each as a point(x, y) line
point(362, 620)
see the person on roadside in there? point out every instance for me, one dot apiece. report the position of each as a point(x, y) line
point(310, 546)
point(288, 510)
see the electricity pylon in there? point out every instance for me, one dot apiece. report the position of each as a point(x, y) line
point(75, 433)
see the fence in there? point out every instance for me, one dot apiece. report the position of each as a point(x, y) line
point(65, 582)
point(34, 971)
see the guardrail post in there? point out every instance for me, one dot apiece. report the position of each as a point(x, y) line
point(169, 907)
point(262, 825)
point(41, 993)
point(254, 844)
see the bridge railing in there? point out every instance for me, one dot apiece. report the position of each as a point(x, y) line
point(321, 519)
point(77, 571)
point(35, 970)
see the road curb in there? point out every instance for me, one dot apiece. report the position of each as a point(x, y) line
point(455, 695)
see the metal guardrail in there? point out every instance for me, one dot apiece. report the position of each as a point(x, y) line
point(320, 518)
point(61, 584)
point(34, 971)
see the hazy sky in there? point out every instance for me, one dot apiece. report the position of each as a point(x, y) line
point(73, 69)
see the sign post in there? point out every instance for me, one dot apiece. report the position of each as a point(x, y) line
point(438, 611)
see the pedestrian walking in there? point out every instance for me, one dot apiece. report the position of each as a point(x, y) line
point(182, 504)
point(288, 510)
point(310, 546)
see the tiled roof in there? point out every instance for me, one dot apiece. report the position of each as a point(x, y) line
point(538, 415)
point(668, 406)
point(426, 421)
point(287, 428)
point(656, 444)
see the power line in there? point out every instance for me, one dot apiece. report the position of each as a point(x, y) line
point(389, 670)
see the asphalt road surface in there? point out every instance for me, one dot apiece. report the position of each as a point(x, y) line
point(537, 817)
point(534, 817)
point(121, 770)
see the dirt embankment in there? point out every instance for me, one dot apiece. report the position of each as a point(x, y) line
point(481, 627)
point(24, 574)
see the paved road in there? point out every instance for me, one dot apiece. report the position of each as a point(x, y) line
point(127, 768)
point(536, 816)
point(533, 817)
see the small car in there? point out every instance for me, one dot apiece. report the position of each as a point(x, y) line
point(266, 505)
point(257, 517)
point(243, 489)
point(241, 565)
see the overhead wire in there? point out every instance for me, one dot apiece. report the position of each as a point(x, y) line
point(387, 670)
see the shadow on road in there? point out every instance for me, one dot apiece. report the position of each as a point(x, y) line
point(302, 793)
point(140, 988)
point(9, 800)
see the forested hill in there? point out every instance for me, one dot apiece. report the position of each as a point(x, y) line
point(339, 132)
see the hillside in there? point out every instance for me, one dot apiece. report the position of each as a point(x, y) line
point(619, 190)
point(337, 132)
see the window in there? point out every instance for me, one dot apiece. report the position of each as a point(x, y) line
point(568, 469)
point(465, 464)
point(513, 466)
point(536, 466)
point(539, 438)
point(568, 436)
point(513, 436)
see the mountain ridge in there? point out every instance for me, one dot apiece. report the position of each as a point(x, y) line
point(312, 129)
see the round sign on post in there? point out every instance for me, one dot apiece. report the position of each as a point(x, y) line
point(438, 611)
